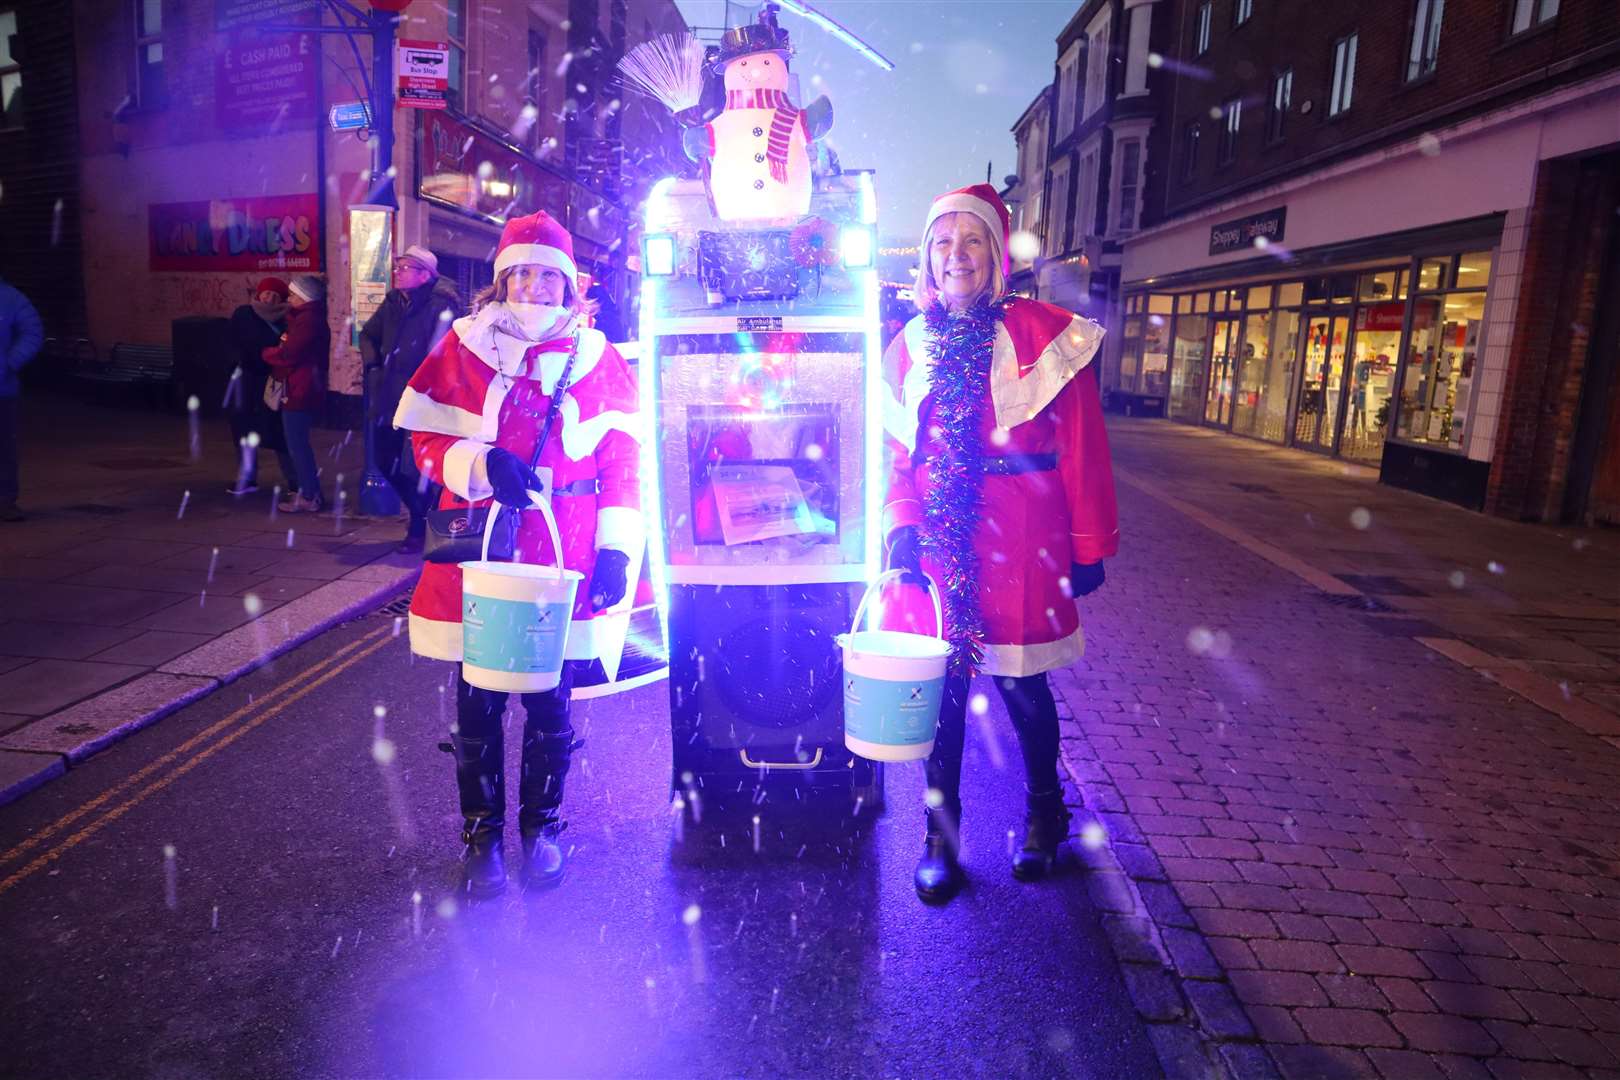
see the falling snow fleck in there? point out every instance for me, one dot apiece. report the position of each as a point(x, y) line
point(171, 884)
point(252, 605)
point(1457, 579)
point(184, 499)
point(1360, 517)
point(1495, 567)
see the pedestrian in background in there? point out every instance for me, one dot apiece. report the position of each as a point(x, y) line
point(21, 335)
point(297, 378)
point(1000, 487)
point(255, 327)
point(415, 314)
point(479, 410)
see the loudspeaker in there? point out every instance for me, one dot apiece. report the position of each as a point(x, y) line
point(757, 667)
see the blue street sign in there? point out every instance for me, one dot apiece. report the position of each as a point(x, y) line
point(349, 116)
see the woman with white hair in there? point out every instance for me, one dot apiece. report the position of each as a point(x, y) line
point(1000, 488)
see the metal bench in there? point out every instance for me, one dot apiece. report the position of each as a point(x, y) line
point(148, 367)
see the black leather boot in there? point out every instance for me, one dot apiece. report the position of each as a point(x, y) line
point(939, 874)
point(1045, 827)
point(483, 814)
point(546, 759)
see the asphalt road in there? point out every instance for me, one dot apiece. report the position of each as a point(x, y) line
point(264, 885)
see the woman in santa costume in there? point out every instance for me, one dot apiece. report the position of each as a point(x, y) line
point(477, 407)
point(999, 488)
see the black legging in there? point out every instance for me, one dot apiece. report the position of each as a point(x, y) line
point(479, 711)
point(1034, 716)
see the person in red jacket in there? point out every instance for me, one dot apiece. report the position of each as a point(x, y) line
point(1000, 488)
point(477, 407)
point(298, 365)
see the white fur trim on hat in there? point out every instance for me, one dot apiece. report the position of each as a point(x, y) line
point(960, 202)
point(538, 254)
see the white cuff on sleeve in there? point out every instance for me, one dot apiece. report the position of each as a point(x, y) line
point(620, 527)
point(464, 472)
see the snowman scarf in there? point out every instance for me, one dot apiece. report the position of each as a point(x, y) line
point(776, 149)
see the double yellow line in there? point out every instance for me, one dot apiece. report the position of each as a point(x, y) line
point(106, 808)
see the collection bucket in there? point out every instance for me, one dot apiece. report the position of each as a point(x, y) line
point(514, 618)
point(893, 684)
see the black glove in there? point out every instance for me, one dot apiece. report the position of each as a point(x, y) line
point(510, 478)
point(905, 553)
point(1085, 578)
point(608, 579)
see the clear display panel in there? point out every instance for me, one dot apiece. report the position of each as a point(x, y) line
point(759, 476)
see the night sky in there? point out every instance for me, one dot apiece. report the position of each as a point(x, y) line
point(964, 72)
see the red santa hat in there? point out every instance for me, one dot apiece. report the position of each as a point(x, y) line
point(982, 202)
point(537, 239)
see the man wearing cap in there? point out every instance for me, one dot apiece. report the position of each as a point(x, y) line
point(415, 314)
point(1001, 490)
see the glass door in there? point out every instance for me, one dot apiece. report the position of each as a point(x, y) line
point(1374, 352)
point(1225, 346)
point(1320, 390)
point(1187, 367)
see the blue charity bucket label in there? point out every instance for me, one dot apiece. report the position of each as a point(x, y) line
point(521, 637)
point(888, 713)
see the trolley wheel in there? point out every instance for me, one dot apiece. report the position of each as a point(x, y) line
point(866, 789)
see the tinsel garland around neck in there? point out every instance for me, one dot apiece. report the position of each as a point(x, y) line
point(959, 352)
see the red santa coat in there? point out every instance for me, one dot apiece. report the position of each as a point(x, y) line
point(481, 388)
point(1032, 525)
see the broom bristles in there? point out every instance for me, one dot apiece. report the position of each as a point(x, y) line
point(668, 68)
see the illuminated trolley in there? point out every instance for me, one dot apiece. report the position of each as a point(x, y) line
point(760, 378)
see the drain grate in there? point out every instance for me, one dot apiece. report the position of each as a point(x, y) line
point(1357, 603)
point(394, 609)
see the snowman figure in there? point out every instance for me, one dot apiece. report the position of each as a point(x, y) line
point(757, 149)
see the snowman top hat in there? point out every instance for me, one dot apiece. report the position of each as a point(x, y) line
point(750, 38)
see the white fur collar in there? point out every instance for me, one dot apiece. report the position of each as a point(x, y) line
point(484, 334)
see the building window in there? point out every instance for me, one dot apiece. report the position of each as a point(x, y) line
point(1425, 51)
point(1232, 116)
point(1206, 13)
point(1067, 68)
point(10, 74)
point(1190, 137)
point(1438, 365)
point(1282, 97)
point(1128, 152)
point(455, 12)
point(1344, 74)
point(1136, 48)
point(1531, 13)
point(150, 91)
point(1241, 10)
point(1085, 198)
point(1056, 240)
point(1096, 63)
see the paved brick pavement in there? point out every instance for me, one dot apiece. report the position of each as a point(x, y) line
point(1331, 850)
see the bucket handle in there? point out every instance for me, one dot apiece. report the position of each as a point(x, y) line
point(887, 575)
point(536, 502)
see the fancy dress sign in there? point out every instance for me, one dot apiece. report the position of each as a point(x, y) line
point(276, 232)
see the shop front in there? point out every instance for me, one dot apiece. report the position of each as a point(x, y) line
point(1368, 350)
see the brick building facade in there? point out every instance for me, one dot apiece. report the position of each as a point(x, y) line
point(1385, 230)
point(203, 131)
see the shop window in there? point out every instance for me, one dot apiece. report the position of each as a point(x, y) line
point(10, 74)
point(1220, 299)
point(1201, 302)
point(1434, 274)
point(455, 13)
point(1439, 367)
point(1424, 54)
point(1282, 97)
point(1188, 365)
point(1241, 10)
point(1130, 354)
point(1382, 285)
point(1259, 298)
point(1190, 137)
point(1290, 294)
point(151, 91)
point(537, 86)
point(1232, 117)
point(1159, 304)
point(1184, 304)
point(1344, 75)
point(1156, 347)
point(1532, 13)
point(1206, 16)
point(1474, 270)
